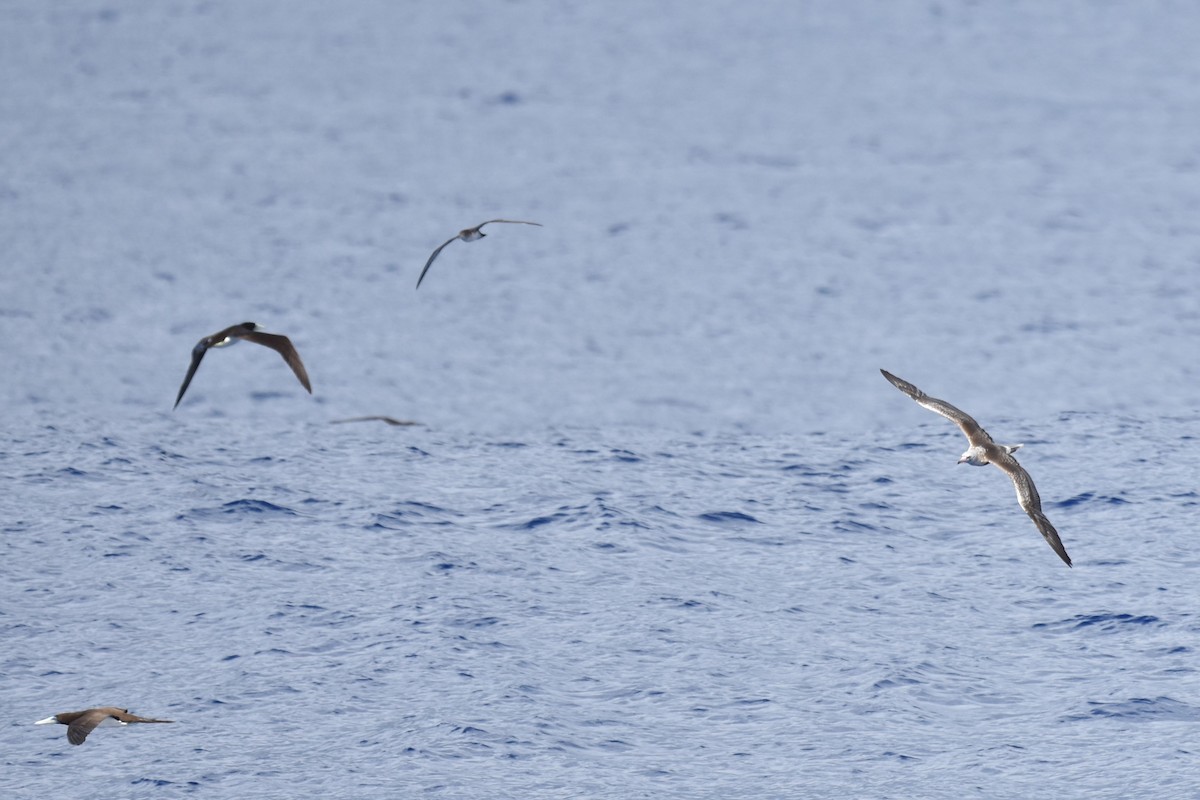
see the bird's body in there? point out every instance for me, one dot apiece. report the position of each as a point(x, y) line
point(468, 235)
point(251, 333)
point(374, 417)
point(983, 451)
point(81, 723)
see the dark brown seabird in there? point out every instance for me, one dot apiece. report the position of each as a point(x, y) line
point(251, 333)
point(469, 235)
point(81, 723)
point(984, 451)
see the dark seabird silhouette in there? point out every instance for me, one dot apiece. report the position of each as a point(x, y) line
point(81, 723)
point(251, 333)
point(469, 235)
point(984, 451)
point(388, 420)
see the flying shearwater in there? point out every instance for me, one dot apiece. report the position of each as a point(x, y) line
point(469, 235)
point(984, 451)
point(81, 723)
point(251, 333)
point(374, 417)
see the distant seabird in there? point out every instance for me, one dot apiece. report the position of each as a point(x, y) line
point(469, 235)
point(984, 451)
point(81, 723)
point(388, 420)
point(251, 333)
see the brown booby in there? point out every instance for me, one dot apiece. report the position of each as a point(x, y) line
point(81, 723)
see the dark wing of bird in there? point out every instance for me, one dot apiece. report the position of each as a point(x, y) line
point(136, 718)
point(197, 356)
point(84, 724)
point(432, 256)
point(974, 432)
point(372, 418)
point(282, 345)
point(1027, 496)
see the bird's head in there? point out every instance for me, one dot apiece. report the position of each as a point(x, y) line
point(975, 457)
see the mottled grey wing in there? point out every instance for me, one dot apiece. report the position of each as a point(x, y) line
point(974, 432)
point(197, 356)
point(1031, 502)
point(432, 256)
point(282, 345)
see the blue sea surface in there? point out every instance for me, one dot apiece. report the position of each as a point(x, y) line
point(661, 528)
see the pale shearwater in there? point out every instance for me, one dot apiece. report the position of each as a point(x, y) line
point(251, 333)
point(81, 723)
point(469, 235)
point(984, 451)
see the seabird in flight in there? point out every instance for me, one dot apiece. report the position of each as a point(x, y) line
point(984, 451)
point(469, 235)
point(81, 723)
point(251, 333)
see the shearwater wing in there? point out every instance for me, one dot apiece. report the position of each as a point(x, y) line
point(431, 258)
point(282, 345)
point(974, 432)
point(1031, 502)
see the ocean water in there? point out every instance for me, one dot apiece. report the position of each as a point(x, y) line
point(662, 529)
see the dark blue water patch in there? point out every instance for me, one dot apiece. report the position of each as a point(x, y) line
point(240, 507)
point(596, 515)
point(764, 541)
point(1088, 497)
point(410, 512)
point(851, 526)
point(1105, 623)
point(476, 623)
point(688, 603)
point(724, 517)
point(1141, 709)
point(538, 522)
point(611, 547)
